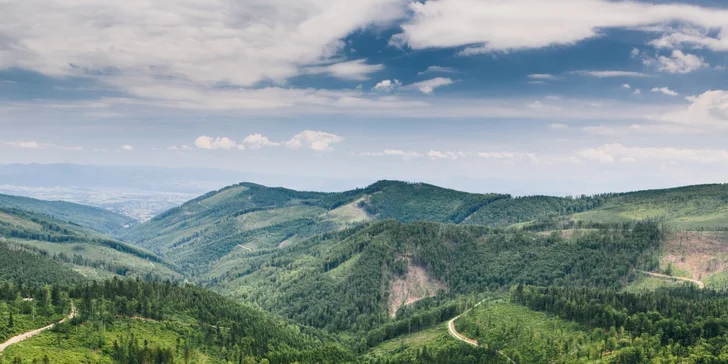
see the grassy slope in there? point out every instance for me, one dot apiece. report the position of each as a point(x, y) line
point(93, 218)
point(96, 256)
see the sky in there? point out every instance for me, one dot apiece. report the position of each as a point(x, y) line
point(521, 96)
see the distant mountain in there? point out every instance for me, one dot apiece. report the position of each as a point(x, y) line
point(93, 218)
point(253, 217)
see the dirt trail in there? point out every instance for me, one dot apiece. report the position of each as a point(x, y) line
point(454, 333)
point(659, 275)
point(29, 334)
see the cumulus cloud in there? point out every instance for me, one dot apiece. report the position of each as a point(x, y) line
point(627, 86)
point(24, 144)
point(495, 25)
point(610, 73)
point(127, 148)
point(437, 69)
point(429, 86)
point(387, 85)
point(206, 142)
point(709, 108)
point(257, 141)
point(316, 140)
point(610, 153)
point(357, 70)
point(664, 90)
point(678, 62)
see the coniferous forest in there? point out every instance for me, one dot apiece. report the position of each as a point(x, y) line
point(250, 274)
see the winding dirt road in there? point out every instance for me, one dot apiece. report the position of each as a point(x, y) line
point(454, 333)
point(665, 276)
point(29, 334)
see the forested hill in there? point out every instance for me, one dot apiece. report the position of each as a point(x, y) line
point(93, 218)
point(247, 211)
point(88, 252)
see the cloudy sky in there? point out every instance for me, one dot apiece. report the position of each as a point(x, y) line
point(527, 96)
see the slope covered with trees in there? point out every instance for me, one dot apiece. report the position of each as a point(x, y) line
point(93, 218)
point(86, 251)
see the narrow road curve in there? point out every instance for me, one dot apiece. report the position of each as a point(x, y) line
point(665, 276)
point(29, 334)
point(454, 333)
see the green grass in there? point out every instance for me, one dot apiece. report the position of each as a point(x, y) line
point(519, 332)
point(223, 196)
point(91, 343)
point(23, 322)
point(265, 218)
point(649, 283)
point(409, 344)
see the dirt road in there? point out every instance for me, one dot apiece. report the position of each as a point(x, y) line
point(29, 334)
point(454, 333)
point(665, 276)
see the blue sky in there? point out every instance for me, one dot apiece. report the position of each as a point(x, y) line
point(523, 96)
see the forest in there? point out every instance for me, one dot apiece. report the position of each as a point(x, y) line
point(281, 276)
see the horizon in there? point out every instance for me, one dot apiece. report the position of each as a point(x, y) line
point(616, 96)
point(344, 185)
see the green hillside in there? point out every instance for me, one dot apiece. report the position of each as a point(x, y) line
point(87, 252)
point(357, 278)
point(213, 229)
point(93, 218)
point(126, 321)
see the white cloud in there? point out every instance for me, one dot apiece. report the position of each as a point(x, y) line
point(637, 91)
point(665, 91)
point(610, 153)
point(627, 86)
point(256, 141)
point(634, 53)
point(708, 109)
point(429, 86)
point(387, 85)
point(678, 62)
point(206, 142)
point(558, 126)
point(183, 148)
point(127, 148)
point(509, 156)
point(542, 76)
point(437, 69)
point(404, 154)
point(357, 70)
point(436, 154)
point(608, 74)
point(24, 144)
point(316, 140)
point(692, 36)
point(496, 25)
point(132, 45)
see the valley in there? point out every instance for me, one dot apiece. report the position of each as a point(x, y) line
point(394, 272)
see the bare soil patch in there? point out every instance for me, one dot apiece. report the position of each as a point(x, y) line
point(700, 254)
point(414, 286)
